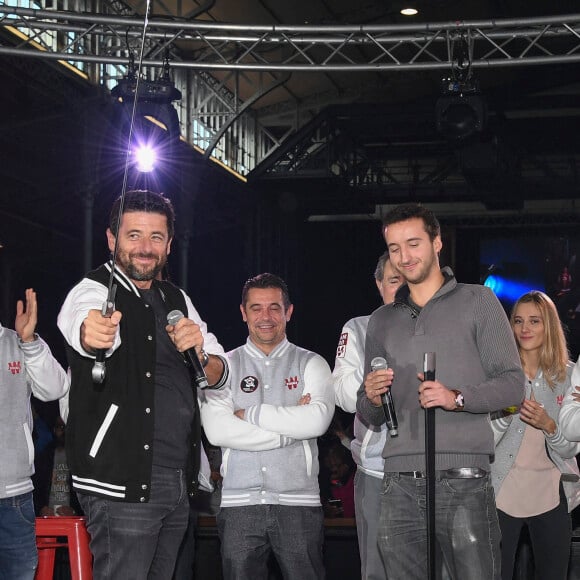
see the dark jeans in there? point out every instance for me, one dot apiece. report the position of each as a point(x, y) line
point(367, 498)
point(466, 526)
point(550, 535)
point(139, 541)
point(294, 534)
point(18, 555)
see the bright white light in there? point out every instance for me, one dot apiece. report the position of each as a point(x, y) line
point(409, 11)
point(145, 158)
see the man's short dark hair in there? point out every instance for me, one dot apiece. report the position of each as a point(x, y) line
point(266, 280)
point(143, 200)
point(409, 211)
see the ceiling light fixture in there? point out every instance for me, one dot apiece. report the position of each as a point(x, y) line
point(460, 110)
point(409, 11)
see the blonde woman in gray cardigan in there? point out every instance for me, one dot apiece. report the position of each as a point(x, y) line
point(534, 473)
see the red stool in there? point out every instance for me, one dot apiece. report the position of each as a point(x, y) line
point(48, 531)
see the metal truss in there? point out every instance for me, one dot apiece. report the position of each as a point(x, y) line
point(201, 45)
point(100, 37)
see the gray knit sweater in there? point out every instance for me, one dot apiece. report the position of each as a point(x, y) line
point(466, 327)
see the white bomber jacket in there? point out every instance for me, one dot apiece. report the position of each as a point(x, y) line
point(347, 376)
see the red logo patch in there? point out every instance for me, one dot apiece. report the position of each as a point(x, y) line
point(14, 367)
point(341, 348)
point(291, 383)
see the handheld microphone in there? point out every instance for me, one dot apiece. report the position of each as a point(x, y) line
point(199, 376)
point(379, 363)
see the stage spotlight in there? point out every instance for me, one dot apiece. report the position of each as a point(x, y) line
point(460, 111)
point(145, 158)
point(154, 100)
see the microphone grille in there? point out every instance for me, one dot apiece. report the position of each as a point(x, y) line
point(378, 363)
point(174, 317)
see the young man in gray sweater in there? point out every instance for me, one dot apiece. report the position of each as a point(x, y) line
point(478, 371)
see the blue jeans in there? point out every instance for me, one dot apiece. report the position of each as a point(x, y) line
point(466, 527)
point(18, 555)
point(139, 541)
point(294, 534)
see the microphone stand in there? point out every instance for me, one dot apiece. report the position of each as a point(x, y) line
point(99, 370)
point(429, 374)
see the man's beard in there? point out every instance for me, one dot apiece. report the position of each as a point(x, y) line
point(138, 274)
point(422, 273)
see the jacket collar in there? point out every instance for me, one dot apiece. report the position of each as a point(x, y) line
point(122, 279)
point(278, 351)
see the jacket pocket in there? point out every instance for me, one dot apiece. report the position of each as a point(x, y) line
point(105, 425)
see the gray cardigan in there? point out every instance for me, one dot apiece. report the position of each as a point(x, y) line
point(509, 432)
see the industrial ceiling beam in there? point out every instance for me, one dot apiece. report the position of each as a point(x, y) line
point(202, 45)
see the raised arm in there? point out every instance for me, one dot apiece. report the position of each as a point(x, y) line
point(47, 378)
point(84, 300)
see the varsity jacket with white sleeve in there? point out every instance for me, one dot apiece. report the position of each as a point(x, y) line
point(509, 432)
point(25, 368)
point(569, 418)
point(270, 456)
point(110, 428)
point(347, 377)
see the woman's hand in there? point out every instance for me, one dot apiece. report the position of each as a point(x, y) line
point(534, 414)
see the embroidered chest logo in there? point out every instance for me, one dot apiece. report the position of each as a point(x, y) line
point(249, 384)
point(560, 399)
point(341, 348)
point(14, 367)
point(291, 383)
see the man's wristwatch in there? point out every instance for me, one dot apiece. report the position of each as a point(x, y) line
point(204, 358)
point(459, 401)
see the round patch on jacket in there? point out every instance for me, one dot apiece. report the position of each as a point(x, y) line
point(249, 384)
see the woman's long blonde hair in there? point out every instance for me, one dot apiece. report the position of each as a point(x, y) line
point(554, 351)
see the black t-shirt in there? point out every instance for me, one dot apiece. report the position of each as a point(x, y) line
point(174, 403)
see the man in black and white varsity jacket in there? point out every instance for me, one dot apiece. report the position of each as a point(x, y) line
point(133, 441)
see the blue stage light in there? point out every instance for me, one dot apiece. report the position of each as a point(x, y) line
point(506, 289)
